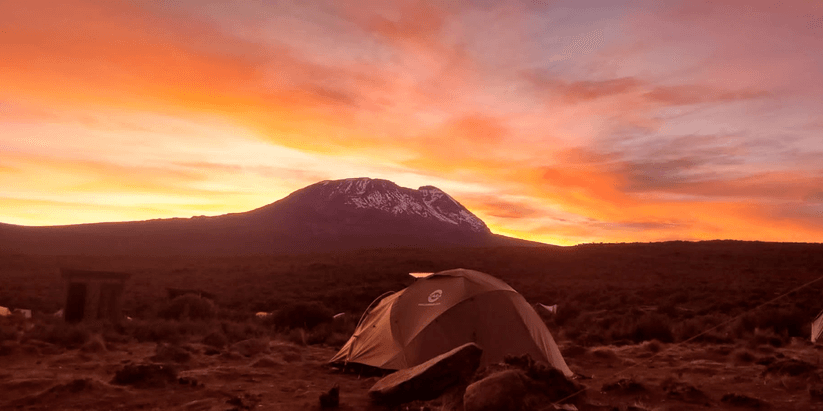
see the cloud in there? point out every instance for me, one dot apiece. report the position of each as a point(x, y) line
point(582, 91)
point(643, 95)
point(814, 197)
point(502, 208)
point(696, 94)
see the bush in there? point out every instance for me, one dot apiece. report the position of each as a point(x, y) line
point(652, 327)
point(743, 356)
point(61, 334)
point(239, 331)
point(155, 331)
point(7, 333)
point(189, 307)
point(653, 346)
point(566, 313)
point(301, 315)
point(216, 339)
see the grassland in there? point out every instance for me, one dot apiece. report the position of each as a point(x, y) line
point(618, 304)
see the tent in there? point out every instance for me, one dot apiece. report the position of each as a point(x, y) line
point(445, 310)
point(817, 327)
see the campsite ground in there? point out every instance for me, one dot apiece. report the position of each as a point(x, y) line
point(623, 309)
point(291, 377)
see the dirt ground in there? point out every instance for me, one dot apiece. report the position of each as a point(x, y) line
point(40, 376)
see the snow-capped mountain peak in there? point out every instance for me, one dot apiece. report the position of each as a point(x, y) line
point(427, 202)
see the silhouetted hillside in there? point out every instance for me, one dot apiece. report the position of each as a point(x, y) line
point(324, 217)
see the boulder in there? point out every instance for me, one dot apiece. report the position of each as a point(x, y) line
point(429, 379)
point(330, 399)
point(504, 391)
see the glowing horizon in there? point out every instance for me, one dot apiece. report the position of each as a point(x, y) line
point(561, 122)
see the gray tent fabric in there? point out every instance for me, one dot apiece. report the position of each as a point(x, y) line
point(443, 311)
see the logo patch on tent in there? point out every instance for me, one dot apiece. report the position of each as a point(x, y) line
point(435, 295)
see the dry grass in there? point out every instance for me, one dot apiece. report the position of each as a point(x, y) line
point(607, 294)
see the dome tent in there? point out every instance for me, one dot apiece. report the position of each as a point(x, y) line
point(443, 311)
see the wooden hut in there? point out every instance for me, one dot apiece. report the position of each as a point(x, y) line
point(93, 295)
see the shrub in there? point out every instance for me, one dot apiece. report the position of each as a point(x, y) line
point(297, 336)
point(767, 336)
point(189, 307)
point(566, 313)
point(216, 339)
point(7, 333)
point(742, 356)
point(239, 331)
point(302, 315)
point(61, 334)
point(156, 331)
point(574, 351)
point(653, 346)
point(652, 327)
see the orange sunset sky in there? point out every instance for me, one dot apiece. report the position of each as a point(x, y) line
point(559, 121)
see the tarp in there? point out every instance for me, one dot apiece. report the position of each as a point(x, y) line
point(443, 311)
point(550, 308)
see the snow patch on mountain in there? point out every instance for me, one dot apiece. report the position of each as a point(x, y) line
point(427, 201)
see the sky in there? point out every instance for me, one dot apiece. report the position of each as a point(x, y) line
point(565, 122)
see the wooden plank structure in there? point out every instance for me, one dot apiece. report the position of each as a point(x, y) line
point(93, 295)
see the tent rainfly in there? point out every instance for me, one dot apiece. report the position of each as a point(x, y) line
point(817, 327)
point(445, 310)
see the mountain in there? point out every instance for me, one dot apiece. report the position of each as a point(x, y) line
point(328, 216)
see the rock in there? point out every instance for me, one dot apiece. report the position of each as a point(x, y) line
point(429, 379)
point(330, 399)
point(545, 380)
point(744, 401)
point(145, 375)
point(504, 391)
point(291, 355)
point(790, 367)
point(95, 344)
point(245, 401)
point(250, 348)
point(681, 391)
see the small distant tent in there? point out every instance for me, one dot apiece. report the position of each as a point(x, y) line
point(445, 310)
point(817, 327)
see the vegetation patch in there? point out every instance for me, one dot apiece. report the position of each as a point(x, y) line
point(145, 375)
point(739, 400)
point(624, 386)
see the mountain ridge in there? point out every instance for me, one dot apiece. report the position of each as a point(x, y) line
point(331, 215)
